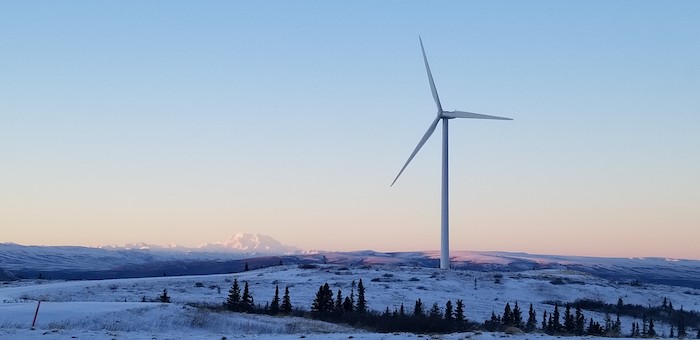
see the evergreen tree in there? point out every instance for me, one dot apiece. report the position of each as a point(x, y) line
point(361, 303)
point(517, 316)
point(652, 331)
point(165, 298)
point(634, 330)
point(617, 327)
point(275, 304)
point(672, 334)
point(402, 311)
point(682, 332)
point(580, 321)
point(246, 267)
point(664, 304)
point(246, 299)
point(449, 317)
point(323, 302)
point(608, 322)
point(544, 321)
point(418, 309)
point(531, 320)
point(644, 324)
point(434, 313)
point(286, 302)
point(459, 312)
point(347, 305)
point(569, 321)
point(352, 293)
point(493, 324)
point(233, 302)
point(507, 318)
point(338, 307)
point(556, 326)
point(620, 305)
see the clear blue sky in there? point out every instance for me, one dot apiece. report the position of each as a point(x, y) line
point(186, 122)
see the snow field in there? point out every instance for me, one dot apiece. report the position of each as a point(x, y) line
point(114, 306)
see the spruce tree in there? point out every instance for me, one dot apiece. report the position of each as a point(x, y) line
point(459, 312)
point(347, 305)
point(323, 302)
point(246, 299)
point(556, 325)
point(531, 320)
point(652, 331)
point(286, 302)
point(493, 324)
point(664, 304)
point(361, 302)
point(580, 321)
point(517, 316)
point(569, 321)
point(338, 307)
point(435, 312)
point(617, 327)
point(246, 267)
point(682, 333)
point(352, 293)
point(449, 317)
point(544, 321)
point(275, 304)
point(165, 298)
point(402, 311)
point(507, 318)
point(233, 302)
point(418, 309)
point(672, 334)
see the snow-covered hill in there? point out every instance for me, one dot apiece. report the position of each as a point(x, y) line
point(262, 251)
point(112, 308)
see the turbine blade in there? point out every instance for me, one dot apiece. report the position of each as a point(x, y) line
point(420, 145)
point(462, 114)
point(430, 77)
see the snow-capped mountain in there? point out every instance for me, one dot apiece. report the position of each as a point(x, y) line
point(251, 243)
point(244, 243)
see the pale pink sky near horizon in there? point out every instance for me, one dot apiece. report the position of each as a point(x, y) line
point(185, 123)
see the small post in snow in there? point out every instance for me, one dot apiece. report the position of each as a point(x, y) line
point(35, 314)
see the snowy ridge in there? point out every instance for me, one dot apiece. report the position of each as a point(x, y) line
point(261, 251)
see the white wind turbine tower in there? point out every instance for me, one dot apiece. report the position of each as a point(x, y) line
point(445, 116)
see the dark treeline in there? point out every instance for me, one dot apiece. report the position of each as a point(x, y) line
point(664, 312)
point(567, 320)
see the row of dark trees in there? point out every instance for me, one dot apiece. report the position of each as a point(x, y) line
point(238, 302)
point(679, 319)
point(352, 310)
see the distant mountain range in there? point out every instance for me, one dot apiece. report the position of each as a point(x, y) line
point(239, 243)
point(255, 250)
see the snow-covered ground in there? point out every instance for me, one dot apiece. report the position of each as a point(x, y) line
point(113, 308)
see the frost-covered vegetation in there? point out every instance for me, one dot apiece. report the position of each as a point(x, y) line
point(325, 300)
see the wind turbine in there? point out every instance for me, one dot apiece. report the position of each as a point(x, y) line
point(443, 116)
